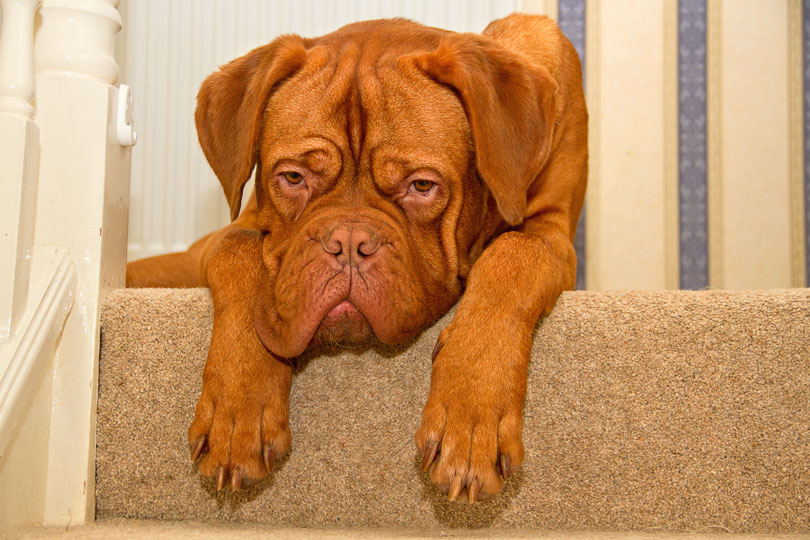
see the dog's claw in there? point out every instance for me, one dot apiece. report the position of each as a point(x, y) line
point(221, 478)
point(236, 479)
point(455, 488)
point(430, 454)
point(472, 491)
point(269, 456)
point(436, 349)
point(506, 467)
point(199, 446)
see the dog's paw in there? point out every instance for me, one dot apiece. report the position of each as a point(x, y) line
point(470, 435)
point(238, 435)
point(472, 449)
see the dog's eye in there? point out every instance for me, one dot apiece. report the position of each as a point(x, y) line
point(423, 186)
point(293, 177)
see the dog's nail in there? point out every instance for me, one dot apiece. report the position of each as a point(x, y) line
point(472, 491)
point(221, 478)
point(436, 349)
point(455, 488)
point(506, 467)
point(430, 454)
point(199, 446)
point(236, 479)
point(269, 457)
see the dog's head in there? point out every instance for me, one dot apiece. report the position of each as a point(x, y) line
point(387, 154)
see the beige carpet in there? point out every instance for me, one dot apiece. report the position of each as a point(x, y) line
point(646, 411)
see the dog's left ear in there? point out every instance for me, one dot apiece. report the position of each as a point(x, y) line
point(510, 104)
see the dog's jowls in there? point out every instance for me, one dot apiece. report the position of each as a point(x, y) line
point(397, 167)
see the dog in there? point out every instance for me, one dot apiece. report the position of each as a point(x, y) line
point(397, 166)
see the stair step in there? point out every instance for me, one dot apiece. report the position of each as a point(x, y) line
point(667, 410)
point(130, 529)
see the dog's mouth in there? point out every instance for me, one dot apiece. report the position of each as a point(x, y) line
point(337, 321)
point(344, 324)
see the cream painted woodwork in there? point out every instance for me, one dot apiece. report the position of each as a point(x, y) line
point(68, 216)
point(631, 225)
point(19, 153)
point(756, 235)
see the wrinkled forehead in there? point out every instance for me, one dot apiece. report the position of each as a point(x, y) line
point(369, 107)
point(409, 112)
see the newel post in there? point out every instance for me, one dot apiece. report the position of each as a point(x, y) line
point(82, 204)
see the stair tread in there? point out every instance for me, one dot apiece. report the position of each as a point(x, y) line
point(131, 529)
point(669, 410)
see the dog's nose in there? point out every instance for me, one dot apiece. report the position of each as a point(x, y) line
point(350, 244)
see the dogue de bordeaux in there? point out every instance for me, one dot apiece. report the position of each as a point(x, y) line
point(397, 167)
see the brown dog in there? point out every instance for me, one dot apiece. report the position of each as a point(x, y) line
point(397, 166)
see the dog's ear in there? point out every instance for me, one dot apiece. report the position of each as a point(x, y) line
point(510, 104)
point(230, 105)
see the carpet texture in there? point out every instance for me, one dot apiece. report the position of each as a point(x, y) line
point(645, 410)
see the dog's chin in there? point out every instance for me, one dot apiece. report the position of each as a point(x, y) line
point(344, 326)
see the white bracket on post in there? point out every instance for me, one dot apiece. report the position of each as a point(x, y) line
point(124, 117)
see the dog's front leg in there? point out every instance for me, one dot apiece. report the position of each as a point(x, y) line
point(472, 422)
point(241, 423)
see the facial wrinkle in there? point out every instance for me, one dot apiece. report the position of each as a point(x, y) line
point(356, 119)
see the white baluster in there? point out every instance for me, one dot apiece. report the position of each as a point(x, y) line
point(19, 145)
point(16, 57)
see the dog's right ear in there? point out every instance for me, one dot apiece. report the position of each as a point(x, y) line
point(230, 107)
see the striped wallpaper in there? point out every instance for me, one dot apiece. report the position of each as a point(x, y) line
point(699, 126)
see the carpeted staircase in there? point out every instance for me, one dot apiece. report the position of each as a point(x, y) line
point(663, 411)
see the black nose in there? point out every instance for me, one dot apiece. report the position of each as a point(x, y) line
point(351, 244)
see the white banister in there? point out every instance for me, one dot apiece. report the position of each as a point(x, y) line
point(25, 387)
point(18, 158)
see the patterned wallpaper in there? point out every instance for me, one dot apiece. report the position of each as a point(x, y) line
point(692, 166)
point(572, 23)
